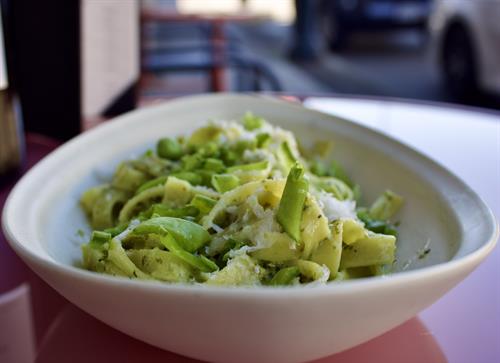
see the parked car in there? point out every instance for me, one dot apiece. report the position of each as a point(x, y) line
point(340, 18)
point(466, 38)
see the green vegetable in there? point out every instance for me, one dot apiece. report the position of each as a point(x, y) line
point(200, 262)
point(115, 231)
point(285, 276)
point(191, 236)
point(169, 149)
point(214, 165)
point(286, 156)
point(162, 210)
point(152, 183)
point(203, 203)
point(99, 237)
point(375, 225)
point(252, 122)
point(225, 182)
point(263, 140)
point(192, 178)
point(292, 202)
point(260, 165)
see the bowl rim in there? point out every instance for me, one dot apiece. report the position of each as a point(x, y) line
point(471, 259)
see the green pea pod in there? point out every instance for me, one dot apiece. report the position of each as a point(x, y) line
point(190, 236)
point(286, 156)
point(292, 202)
point(162, 210)
point(285, 276)
point(152, 183)
point(203, 203)
point(200, 262)
point(260, 165)
point(189, 176)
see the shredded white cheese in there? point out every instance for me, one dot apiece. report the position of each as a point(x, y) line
point(336, 209)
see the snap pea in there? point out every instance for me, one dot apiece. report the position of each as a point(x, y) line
point(152, 183)
point(191, 236)
point(162, 210)
point(189, 176)
point(203, 203)
point(260, 165)
point(200, 262)
point(286, 156)
point(292, 202)
point(285, 276)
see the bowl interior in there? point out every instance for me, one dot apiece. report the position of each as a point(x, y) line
point(440, 212)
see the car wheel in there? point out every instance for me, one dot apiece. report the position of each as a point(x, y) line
point(459, 64)
point(335, 34)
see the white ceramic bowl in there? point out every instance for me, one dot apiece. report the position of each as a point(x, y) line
point(275, 325)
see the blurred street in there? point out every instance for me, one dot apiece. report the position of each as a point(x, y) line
point(392, 64)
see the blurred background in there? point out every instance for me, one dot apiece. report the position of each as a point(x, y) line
point(72, 64)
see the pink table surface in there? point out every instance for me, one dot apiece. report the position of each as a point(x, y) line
point(463, 326)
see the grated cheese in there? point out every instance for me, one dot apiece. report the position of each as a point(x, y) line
point(336, 209)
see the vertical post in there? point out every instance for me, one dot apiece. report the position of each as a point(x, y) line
point(217, 74)
point(45, 41)
point(304, 46)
